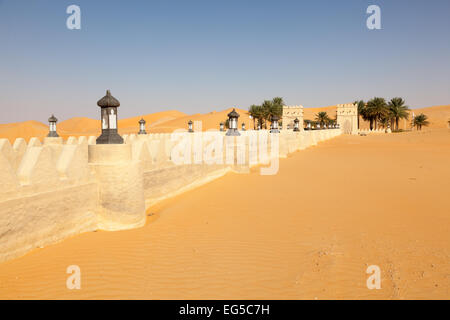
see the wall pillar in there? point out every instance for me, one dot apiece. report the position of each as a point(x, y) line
point(121, 190)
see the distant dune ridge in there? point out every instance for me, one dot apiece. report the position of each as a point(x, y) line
point(168, 121)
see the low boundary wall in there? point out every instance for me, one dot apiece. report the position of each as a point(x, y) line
point(51, 190)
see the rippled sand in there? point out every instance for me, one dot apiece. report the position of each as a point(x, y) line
point(308, 232)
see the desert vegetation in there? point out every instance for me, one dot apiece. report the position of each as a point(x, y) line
point(261, 114)
point(420, 121)
point(379, 112)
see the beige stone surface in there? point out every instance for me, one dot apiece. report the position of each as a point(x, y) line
point(7, 151)
point(19, 146)
point(92, 140)
point(82, 140)
point(121, 192)
point(35, 221)
point(347, 118)
point(8, 179)
point(73, 163)
point(38, 167)
point(290, 113)
point(34, 142)
point(53, 140)
point(72, 140)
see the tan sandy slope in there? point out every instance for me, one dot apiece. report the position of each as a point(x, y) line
point(168, 121)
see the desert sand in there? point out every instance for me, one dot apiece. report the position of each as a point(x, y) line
point(308, 232)
point(168, 121)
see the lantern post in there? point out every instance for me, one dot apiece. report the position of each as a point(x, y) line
point(274, 124)
point(109, 105)
point(296, 122)
point(233, 123)
point(142, 123)
point(52, 127)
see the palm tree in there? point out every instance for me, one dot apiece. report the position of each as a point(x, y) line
point(266, 112)
point(253, 111)
point(361, 106)
point(365, 115)
point(386, 121)
point(376, 109)
point(398, 110)
point(277, 106)
point(420, 120)
point(271, 108)
point(322, 118)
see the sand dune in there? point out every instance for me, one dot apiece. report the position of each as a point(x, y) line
point(130, 125)
point(308, 232)
point(209, 121)
point(26, 129)
point(438, 115)
point(168, 121)
point(82, 126)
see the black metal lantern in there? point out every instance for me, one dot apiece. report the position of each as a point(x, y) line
point(142, 126)
point(233, 123)
point(52, 127)
point(243, 126)
point(274, 124)
point(222, 126)
point(296, 122)
point(190, 129)
point(109, 105)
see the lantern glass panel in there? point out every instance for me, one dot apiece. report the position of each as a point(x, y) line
point(112, 119)
point(104, 119)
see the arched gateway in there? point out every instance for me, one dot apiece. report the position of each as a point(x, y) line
point(347, 118)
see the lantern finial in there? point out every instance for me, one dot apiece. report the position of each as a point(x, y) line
point(108, 101)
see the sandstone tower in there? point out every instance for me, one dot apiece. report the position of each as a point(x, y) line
point(347, 118)
point(290, 113)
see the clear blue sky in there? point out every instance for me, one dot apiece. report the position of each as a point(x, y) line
point(199, 56)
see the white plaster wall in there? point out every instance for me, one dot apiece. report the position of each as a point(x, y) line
point(55, 190)
point(41, 219)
